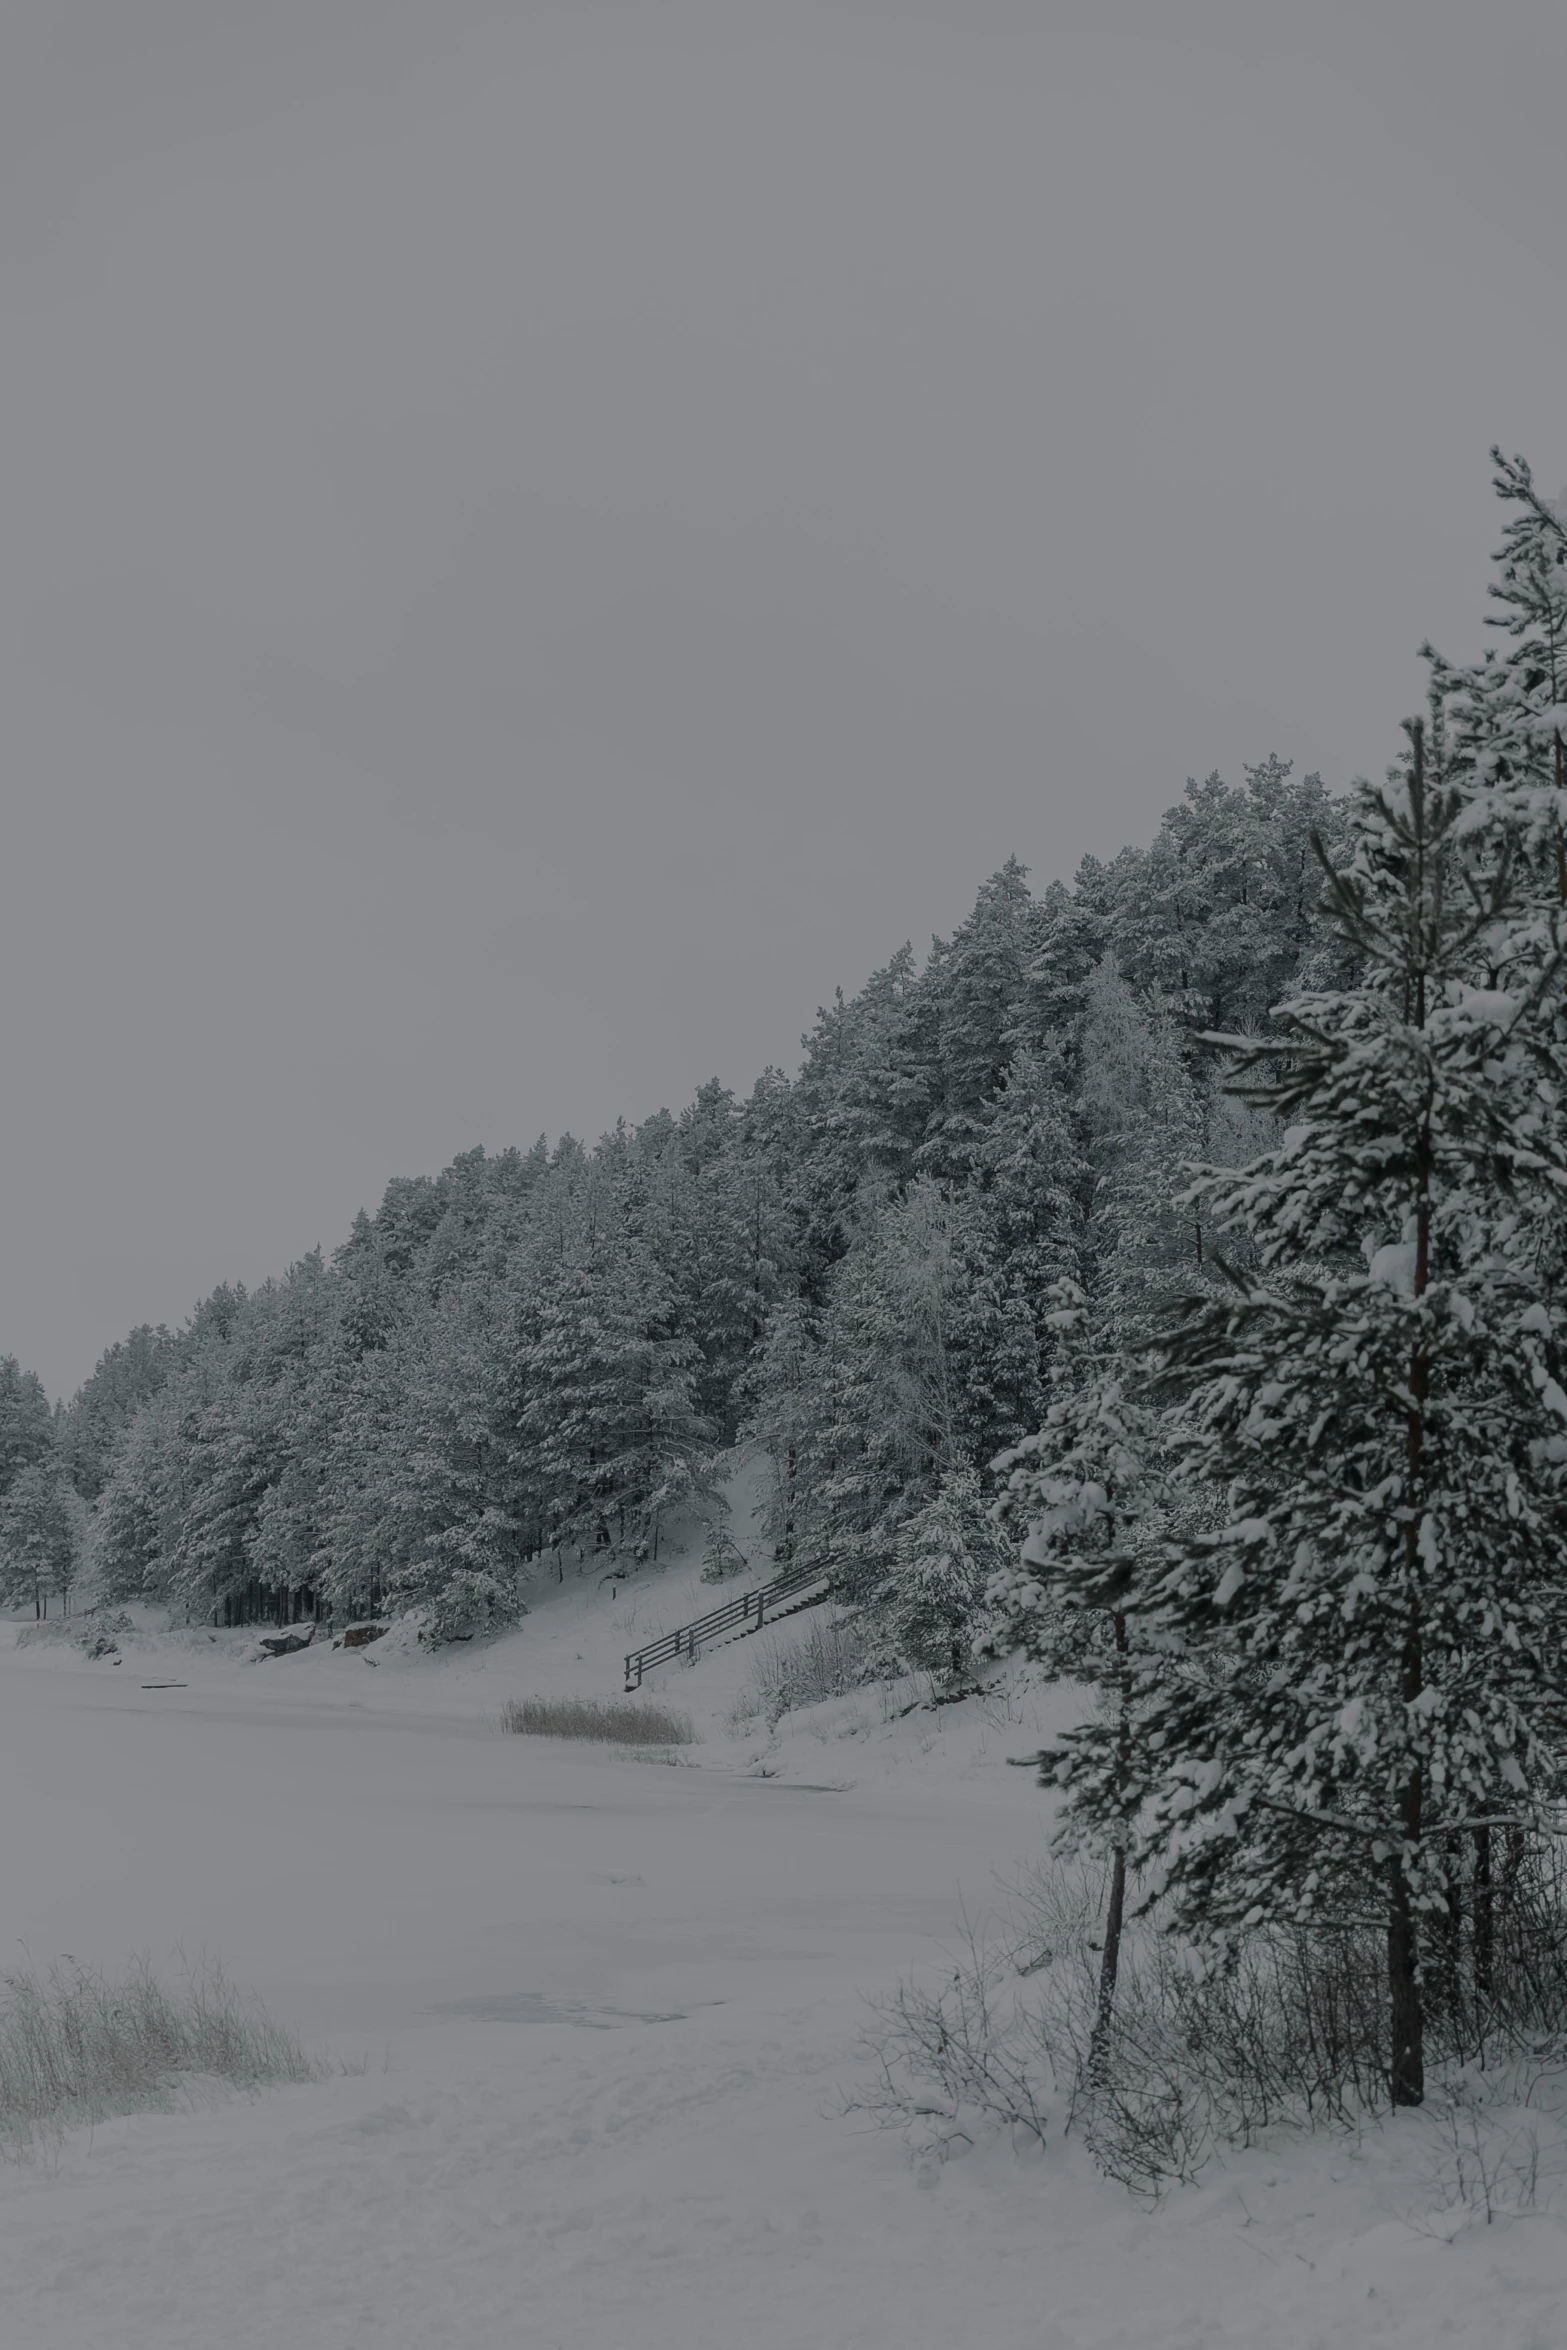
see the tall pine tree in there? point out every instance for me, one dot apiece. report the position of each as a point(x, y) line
point(1367, 1651)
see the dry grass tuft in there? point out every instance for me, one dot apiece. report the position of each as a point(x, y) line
point(627, 1722)
point(78, 2046)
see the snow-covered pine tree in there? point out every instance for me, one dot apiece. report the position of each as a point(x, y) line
point(126, 1375)
point(1143, 1122)
point(1363, 1661)
point(40, 1537)
point(610, 1418)
point(1215, 913)
point(1032, 1174)
point(944, 1559)
point(721, 1555)
point(1506, 715)
point(1088, 1492)
point(787, 1427)
point(1089, 1501)
point(26, 1423)
point(132, 1518)
point(452, 1542)
point(973, 993)
point(928, 1362)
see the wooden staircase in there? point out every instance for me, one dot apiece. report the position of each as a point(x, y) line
point(786, 1595)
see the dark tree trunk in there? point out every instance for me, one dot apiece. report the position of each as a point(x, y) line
point(788, 1524)
point(1406, 2054)
point(1109, 1969)
point(1115, 1914)
point(1447, 1965)
point(1484, 1919)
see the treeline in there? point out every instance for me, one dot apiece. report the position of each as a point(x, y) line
point(524, 1364)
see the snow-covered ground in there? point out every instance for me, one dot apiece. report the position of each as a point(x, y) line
point(605, 2010)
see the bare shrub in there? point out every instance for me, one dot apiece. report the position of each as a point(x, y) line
point(1198, 2056)
point(1289, 2033)
point(78, 2046)
point(722, 1556)
point(956, 2056)
point(1490, 2158)
point(631, 1722)
point(833, 1658)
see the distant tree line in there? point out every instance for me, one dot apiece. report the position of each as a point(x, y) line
point(518, 1369)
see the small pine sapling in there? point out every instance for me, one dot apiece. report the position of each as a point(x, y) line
point(1090, 1497)
point(722, 1556)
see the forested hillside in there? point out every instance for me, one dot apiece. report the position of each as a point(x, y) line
point(529, 1360)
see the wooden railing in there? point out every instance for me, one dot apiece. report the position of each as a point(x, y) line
point(747, 1613)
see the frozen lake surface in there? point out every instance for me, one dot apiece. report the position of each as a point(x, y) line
point(606, 2011)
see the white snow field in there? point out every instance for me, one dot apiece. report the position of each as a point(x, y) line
point(606, 2011)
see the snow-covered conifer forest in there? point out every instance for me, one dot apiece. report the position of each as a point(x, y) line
point(1149, 1309)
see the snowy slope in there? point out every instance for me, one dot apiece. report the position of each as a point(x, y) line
point(606, 2011)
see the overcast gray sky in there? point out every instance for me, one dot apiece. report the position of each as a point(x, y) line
point(536, 540)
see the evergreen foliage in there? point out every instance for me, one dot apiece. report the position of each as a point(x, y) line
point(27, 1432)
point(945, 1557)
point(1502, 722)
point(722, 1556)
point(1355, 1671)
point(40, 1538)
point(127, 1376)
point(521, 1367)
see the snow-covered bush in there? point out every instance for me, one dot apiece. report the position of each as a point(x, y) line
point(722, 1556)
point(837, 1654)
point(97, 1635)
point(451, 1600)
